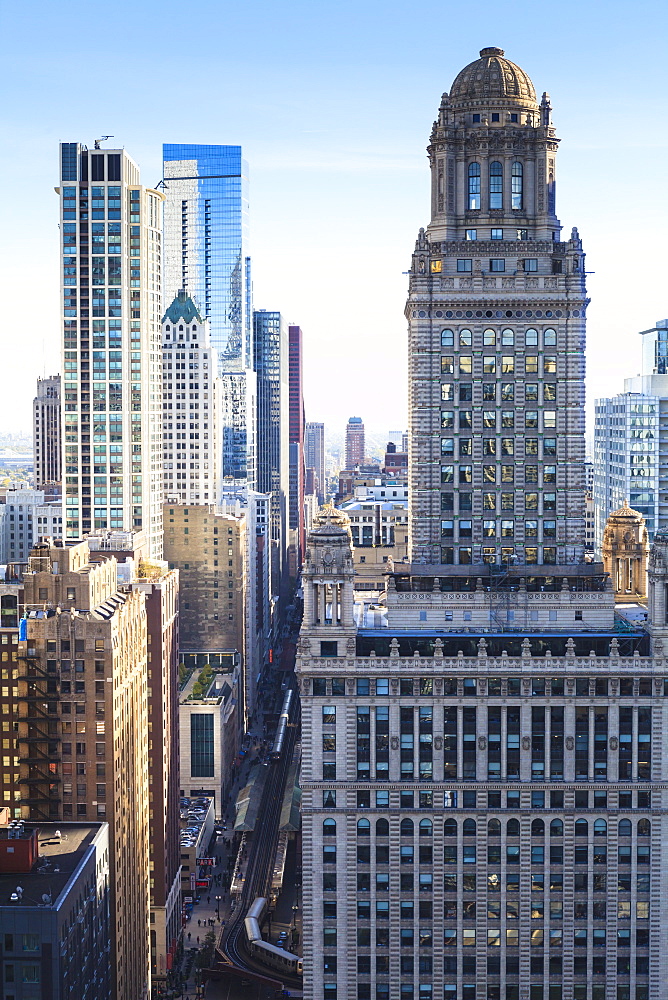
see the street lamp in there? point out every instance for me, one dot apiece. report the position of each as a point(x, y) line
point(218, 899)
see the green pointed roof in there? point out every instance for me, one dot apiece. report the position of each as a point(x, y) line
point(182, 308)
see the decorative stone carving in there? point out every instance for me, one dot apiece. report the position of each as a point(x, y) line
point(438, 743)
point(482, 743)
point(614, 743)
point(526, 743)
point(570, 743)
point(350, 685)
point(394, 743)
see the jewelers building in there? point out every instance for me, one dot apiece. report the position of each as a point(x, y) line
point(484, 782)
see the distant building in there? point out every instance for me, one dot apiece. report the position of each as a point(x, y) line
point(631, 439)
point(395, 462)
point(25, 518)
point(354, 442)
point(273, 429)
point(57, 935)
point(314, 456)
point(625, 552)
point(297, 467)
point(88, 633)
point(379, 530)
point(46, 444)
point(191, 405)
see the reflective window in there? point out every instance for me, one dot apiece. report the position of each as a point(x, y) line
point(495, 185)
point(474, 185)
point(517, 184)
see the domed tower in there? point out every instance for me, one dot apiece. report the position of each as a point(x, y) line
point(328, 577)
point(496, 313)
point(625, 551)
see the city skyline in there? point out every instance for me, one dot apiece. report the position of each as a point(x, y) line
point(314, 168)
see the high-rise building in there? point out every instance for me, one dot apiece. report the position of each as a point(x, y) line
point(630, 441)
point(476, 809)
point(46, 435)
point(297, 429)
point(111, 235)
point(354, 442)
point(83, 649)
point(496, 450)
point(191, 407)
point(314, 455)
point(56, 927)
point(206, 242)
point(206, 254)
point(273, 429)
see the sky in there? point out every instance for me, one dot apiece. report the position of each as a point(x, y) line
point(333, 104)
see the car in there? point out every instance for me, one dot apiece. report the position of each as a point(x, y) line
point(283, 936)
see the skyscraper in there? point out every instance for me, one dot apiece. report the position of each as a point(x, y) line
point(273, 427)
point(297, 468)
point(630, 440)
point(46, 439)
point(111, 235)
point(206, 242)
point(206, 254)
point(314, 454)
point(481, 811)
point(191, 408)
point(354, 442)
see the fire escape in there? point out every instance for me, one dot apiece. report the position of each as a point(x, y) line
point(39, 738)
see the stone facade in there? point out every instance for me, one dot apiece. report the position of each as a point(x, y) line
point(625, 551)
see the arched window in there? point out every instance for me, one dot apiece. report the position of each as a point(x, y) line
point(450, 828)
point(329, 828)
point(474, 185)
point(624, 828)
point(495, 185)
point(447, 338)
point(538, 828)
point(581, 828)
point(493, 828)
point(513, 828)
point(517, 184)
point(468, 828)
point(556, 828)
point(644, 828)
point(382, 828)
point(407, 828)
point(425, 828)
point(363, 828)
point(600, 828)
point(549, 337)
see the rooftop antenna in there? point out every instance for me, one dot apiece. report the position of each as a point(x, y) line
point(102, 138)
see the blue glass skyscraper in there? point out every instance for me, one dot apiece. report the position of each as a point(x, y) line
point(206, 253)
point(206, 242)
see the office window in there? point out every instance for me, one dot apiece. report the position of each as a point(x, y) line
point(497, 265)
point(474, 185)
point(464, 265)
point(495, 185)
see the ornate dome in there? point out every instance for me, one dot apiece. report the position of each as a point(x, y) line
point(493, 78)
point(626, 511)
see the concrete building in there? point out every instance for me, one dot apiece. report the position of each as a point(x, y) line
point(625, 553)
point(191, 406)
point(83, 651)
point(379, 530)
point(297, 539)
point(111, 235)
point(46, 436)
point(354, 442)
point(209, 722)
point(56, 929)
point(395, 462)
point(26, 516)
point(271, 346)
point(483, 769)
point(631, 441)
point(208, 548)
point(160, 587)
point(314, 455)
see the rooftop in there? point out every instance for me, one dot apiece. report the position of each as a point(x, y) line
point(58, 859)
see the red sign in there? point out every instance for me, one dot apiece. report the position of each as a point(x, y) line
point(206, 861)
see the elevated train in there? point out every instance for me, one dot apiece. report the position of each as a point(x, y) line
point(282, 726)
point(263, 951)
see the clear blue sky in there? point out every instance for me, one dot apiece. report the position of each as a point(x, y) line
point(333, 103)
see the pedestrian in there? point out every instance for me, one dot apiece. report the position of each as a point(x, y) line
point(199, 923)
point(208, 900)
point(198, 939)
point(189, 935)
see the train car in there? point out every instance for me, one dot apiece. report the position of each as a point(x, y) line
point(263, 951)
point(283, 720)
